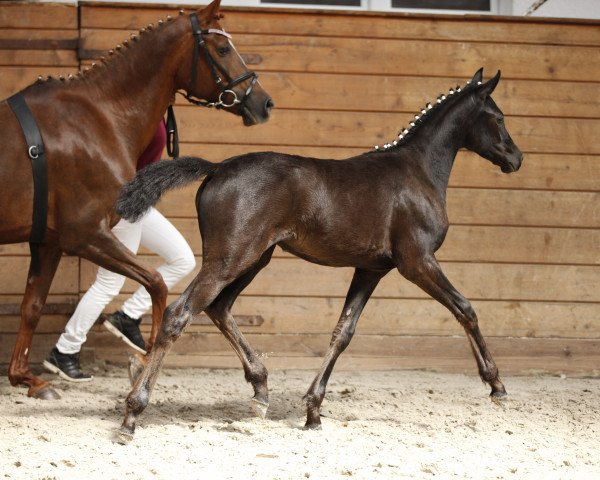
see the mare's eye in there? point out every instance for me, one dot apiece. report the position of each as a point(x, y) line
point(223, 51)
point(500, 121)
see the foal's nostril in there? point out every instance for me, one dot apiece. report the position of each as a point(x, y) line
point(269, 105)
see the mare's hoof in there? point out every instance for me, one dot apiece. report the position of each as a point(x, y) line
point(123, 436)
point(135, 368)
point(260, 408)
point(313, 426)
point(45, 393)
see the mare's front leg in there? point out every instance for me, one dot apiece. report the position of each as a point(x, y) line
point(427, 274)
point(361, 288)
point(31, 309)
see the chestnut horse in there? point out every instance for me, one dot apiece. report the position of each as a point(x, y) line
point(378, 211)
point(95, 126)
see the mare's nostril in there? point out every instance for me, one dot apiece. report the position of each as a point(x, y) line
point(269, 105)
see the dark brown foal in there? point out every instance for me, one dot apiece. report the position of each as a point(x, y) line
point(378, 211)
point(95, 126)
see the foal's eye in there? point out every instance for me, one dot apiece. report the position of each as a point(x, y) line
point(222, 51)
point(500, 121)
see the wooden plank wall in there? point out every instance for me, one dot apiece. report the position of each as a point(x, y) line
point(525, 248)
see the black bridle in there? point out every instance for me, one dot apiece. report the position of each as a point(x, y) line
point(226, 89)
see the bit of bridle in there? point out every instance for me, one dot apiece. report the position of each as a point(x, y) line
point(226, 89)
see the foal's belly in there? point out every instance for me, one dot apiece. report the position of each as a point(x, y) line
point(339, 255)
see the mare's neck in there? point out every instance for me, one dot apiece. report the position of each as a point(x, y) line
point(139, 81)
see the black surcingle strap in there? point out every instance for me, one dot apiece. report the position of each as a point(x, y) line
point(35, 151)
point(172, 135)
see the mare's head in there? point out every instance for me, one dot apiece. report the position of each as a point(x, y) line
point(487, 134)
point(216, 74)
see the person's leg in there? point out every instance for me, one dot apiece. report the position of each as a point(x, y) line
point(160, 236)
point(65, 356)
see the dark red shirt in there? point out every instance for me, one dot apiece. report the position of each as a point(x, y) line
point(154, 150)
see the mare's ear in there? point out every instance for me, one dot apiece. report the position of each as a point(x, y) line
point(488, 87)
point(211, 11)
point(478, 77)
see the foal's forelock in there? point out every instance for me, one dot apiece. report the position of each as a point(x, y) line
point(424, 115)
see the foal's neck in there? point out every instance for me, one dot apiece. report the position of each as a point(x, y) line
point(439, 140)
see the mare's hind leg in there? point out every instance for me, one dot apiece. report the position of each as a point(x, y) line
point(220, 313)
point(105, 250)
point(361, 288)
point(428, 275)
point(31, 308)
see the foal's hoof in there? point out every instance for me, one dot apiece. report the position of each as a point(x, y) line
point(124, 436)
point(498, 396)
point(44, 393)
point(312, 426)
point(260, 408)
point(135, 367)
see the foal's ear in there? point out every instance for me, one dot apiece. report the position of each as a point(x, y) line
point(478, 77)
point(488, 87)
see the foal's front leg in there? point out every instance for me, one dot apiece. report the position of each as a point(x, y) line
point(361, 288)
point(427, 274)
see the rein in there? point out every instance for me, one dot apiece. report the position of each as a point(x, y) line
point(226, 89)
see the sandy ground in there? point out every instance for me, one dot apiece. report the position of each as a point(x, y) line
point(378, 425)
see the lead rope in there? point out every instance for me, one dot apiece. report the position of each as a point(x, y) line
point(172, 134)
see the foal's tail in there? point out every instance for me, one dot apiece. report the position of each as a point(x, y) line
point(150, 183)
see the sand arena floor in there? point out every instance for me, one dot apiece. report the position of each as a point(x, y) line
point(378, 425)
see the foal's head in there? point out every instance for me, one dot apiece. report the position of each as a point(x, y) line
point(487, 134)
point(218, 75)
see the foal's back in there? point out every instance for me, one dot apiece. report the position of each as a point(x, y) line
point(331, 212)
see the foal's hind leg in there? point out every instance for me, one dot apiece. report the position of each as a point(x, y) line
point(31, 308)
point(428, 275)
point(220, 313)
point(203, 290)
point(361, 288)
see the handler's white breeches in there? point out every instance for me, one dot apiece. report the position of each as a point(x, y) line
point(154, 232)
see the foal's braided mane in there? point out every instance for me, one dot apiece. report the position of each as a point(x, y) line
point(420, 118)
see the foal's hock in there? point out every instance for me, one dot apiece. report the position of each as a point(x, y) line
point(378, 211)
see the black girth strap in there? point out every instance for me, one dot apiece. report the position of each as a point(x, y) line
point(35, 151)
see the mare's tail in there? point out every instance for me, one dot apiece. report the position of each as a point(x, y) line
point(151, 182)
